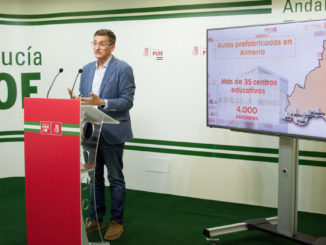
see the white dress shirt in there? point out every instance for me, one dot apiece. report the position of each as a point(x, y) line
point(98, 78)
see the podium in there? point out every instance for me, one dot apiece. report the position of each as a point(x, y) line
point(61, 139)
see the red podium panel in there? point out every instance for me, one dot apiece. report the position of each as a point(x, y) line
point(52, 171)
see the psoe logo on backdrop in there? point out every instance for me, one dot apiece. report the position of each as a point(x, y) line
point(153, 52)
point(51, 128)
point(199, 51)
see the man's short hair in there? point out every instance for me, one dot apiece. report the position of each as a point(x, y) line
point(108, 33)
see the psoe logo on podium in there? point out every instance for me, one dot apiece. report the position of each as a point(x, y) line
point(51, 128)
point(56, 128)
point(45, 127)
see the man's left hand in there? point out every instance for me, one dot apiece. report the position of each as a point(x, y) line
point(93, 100)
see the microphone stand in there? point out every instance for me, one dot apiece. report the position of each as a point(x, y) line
point(73, 86)
point(60, 70)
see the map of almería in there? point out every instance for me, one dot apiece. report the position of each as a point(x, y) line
point(310, 101)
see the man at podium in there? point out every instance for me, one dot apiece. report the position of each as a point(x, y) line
point(109, 84)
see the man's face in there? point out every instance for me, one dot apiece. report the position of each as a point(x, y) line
point(102, 47)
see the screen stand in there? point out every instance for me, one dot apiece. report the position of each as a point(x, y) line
point(287, 186)
point(285, 224)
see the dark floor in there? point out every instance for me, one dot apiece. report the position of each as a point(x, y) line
point(152, 218)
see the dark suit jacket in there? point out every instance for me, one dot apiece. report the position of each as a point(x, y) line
point(118, 87)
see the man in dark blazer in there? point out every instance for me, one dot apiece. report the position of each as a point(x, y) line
point(109, 84)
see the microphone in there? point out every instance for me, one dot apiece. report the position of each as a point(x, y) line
point(60, 70)
point(73, 86)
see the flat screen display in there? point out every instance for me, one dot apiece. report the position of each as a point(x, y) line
point(268, 79)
